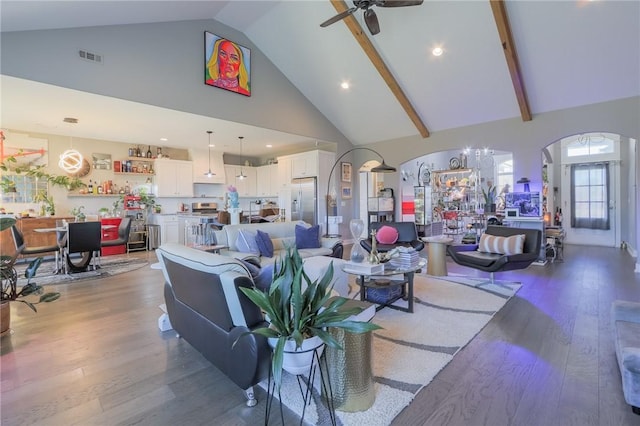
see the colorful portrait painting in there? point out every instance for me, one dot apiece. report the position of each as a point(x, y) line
point(227, 64)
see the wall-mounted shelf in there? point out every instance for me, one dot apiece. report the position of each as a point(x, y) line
point(70, 195)
point(140, 159)
point(134, 174)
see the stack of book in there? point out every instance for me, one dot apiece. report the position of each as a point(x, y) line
point(363, 268)
point(405, 259)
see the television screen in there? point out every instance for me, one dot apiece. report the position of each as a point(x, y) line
point(527, 203)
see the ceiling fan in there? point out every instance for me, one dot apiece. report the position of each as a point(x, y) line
point(370, 17)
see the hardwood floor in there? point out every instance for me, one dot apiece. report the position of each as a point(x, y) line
point(96, 357)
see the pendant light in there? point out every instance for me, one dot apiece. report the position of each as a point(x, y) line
point(71, 160)
point(209, 174)
point(241, 176)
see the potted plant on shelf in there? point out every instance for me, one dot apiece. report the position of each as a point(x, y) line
point(489, 198)
point(147, 201)
point(299, 316)
point(78, 214)
point(9, 277)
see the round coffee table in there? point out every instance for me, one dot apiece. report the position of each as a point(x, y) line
point(437, 255)
point(387, 280)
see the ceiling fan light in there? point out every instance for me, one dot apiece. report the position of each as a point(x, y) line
point(371, 20)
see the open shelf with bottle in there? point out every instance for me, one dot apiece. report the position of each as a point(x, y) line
point(134, 173)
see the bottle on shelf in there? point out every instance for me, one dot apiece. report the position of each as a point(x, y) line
point(90, 187)
point(138, 152)
point(149, 155)
point(159, 152)
point(100, 188)
point(95, 188)
point(127, 188)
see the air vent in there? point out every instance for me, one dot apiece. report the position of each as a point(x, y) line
point(90, 56)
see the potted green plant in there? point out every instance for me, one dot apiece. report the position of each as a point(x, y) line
point(104, 211)
point(78, 214)
point(147, 201)
point(47, 207)
point(299, 316)
point(9, 278)
point(489, 197)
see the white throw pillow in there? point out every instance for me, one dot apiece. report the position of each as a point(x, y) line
point(246, 242)
point(501, 245)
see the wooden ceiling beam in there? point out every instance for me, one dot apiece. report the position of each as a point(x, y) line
point(508, 46)
point(380, 65)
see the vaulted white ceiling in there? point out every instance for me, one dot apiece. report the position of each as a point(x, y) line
point(571, 53)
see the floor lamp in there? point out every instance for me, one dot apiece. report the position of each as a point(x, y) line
point(382, 168)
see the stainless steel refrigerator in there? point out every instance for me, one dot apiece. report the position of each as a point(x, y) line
point(303, 200)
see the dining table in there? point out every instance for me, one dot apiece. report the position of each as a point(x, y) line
point(65, 264)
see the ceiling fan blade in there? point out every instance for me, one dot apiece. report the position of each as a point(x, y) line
point(398, 3)
point(371, 20)
point(338, 17)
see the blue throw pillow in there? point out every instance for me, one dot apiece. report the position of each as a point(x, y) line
point(246, 242)
point(264, 244)
point(307, 237)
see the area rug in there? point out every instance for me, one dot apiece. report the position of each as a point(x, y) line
point(413, 348)
point(109, 265)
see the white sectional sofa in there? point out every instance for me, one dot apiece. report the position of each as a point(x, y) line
point(283, 234)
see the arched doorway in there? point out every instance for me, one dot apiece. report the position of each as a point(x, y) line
point(591, 185)
point(455, 181)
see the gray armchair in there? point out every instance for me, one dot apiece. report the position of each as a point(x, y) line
point(207, 309)
point(467, 255)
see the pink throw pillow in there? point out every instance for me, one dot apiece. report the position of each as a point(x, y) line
point(387, 235)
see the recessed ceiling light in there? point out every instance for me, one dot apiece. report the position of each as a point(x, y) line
point(437, 51)
point(212, 145)
point(164, 139)
point(269, 146)
point(344, 85)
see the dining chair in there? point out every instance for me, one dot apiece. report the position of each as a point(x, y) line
point(85, 238)
point(27, 251)
point(123, 234)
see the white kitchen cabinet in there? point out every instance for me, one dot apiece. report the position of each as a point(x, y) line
point(200, 159)
point(284, 173)
point(267, 180)
point(304, 165)
point(174, 178)
point(169, 231)
point(247, 186)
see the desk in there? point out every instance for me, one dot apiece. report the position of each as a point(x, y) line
point(437, 255)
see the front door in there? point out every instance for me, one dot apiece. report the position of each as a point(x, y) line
point(590, 196)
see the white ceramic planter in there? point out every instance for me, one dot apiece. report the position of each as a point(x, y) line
point(299, 361)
